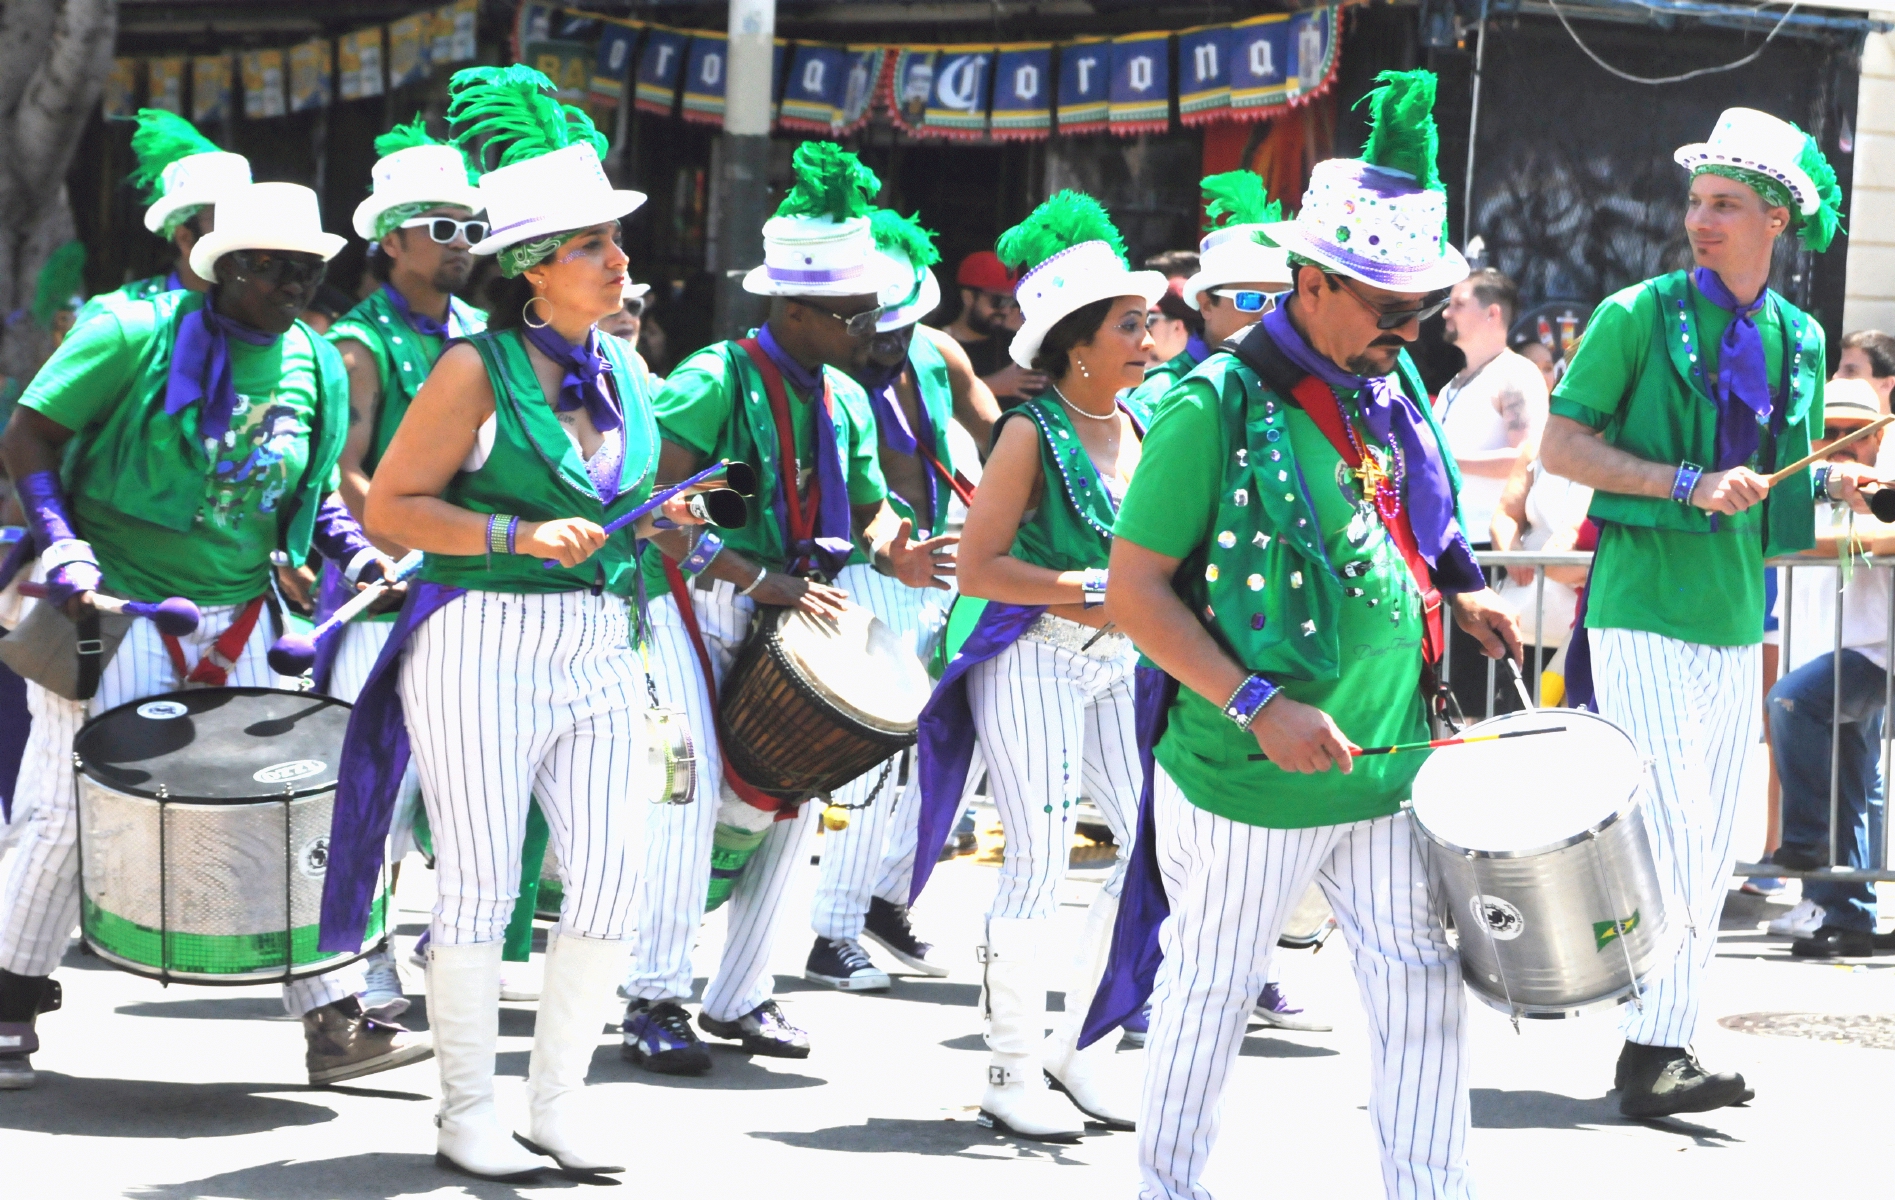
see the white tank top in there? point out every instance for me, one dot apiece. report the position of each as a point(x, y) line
point(1473, 424)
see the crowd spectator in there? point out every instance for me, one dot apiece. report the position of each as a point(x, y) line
point(1541, 356)
point(1174, 326)
point(1540, 511)
point(1869, 354)
point(984, 328)
point(628, 322)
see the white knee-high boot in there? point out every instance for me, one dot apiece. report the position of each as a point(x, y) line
point(1017, 1100)
point(580, 973)
point(1088, 1076)
point(464, 1016)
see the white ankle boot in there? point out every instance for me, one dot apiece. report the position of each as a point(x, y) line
point(1092, 1078)
point(464, 1017)
point(1017, 1100)
point(579, 976)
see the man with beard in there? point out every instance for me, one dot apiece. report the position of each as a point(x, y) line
point(989, 315)
point(417, 220)
point(918, 380)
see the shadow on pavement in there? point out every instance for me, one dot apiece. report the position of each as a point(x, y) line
point(880, 1135)
point(911, 989)
point(149, 1108)
point(359, 1177)
point(1272, 1047)
point(1497, 1109)
point(220, 1008)
point(731, 1071)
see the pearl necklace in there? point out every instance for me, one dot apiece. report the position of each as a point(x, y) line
point(1111, 416)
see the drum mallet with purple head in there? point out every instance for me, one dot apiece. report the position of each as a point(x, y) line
point(175, 616)
point(294, 653)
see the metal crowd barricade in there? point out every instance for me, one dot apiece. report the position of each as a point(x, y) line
point(1877, 870)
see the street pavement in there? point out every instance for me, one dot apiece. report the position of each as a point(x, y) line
point(174, 1094)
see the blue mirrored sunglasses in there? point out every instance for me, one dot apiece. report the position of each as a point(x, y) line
point(1246, 301)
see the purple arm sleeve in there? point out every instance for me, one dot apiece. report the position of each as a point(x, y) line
point(1456, 571)
point(338, 536)
point(46, 515)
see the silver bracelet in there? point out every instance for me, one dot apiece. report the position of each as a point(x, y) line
point(762, 574)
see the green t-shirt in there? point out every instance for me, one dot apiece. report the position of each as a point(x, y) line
point(225, 557)
point(1696, 587)
point(1376, 700)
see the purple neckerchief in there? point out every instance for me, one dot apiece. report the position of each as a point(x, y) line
point(947, 731)
point(1195, 347)
point(1743, 374)
point(606, 465)
point(1143, 906)
point(1581, 691)
point(834, 541)
point(375, 753)
point(585, 370)
point(200, 368)
point(419, 322)
point(1385, 407)
point(891, 425)
point(172, 283)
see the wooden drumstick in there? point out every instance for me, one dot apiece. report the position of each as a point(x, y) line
point(1438, 743)
point(1816, 456)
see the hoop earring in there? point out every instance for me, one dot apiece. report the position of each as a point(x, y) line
point(526, 314)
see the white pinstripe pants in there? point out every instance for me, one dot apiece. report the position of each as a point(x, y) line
point(1053, 725)
point(1231, 886)
point(1693, 710)
point(41, 901)
point(511, 695)
point(678, 849)
point(361, 645)
point(875, 855)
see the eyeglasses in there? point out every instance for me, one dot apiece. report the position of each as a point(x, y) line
point(859, 325)
point(1431, 304)
point(1245, 301)
point(445, 229)
point(635, 307)
point(280, 269)
point(1004, 301)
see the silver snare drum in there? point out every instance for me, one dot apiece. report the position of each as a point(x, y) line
point(1538, 851)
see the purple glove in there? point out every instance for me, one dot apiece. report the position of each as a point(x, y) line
point(70, 566)
point(339, 538)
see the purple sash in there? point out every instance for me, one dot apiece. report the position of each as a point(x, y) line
point(947, 732)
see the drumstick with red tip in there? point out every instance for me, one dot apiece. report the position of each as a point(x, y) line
point(175, 616)
point(1438, 743)
point(294, 653)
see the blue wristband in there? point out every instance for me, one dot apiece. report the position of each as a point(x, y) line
point(709, 546)
point(1685, 482)
point(1248, 700)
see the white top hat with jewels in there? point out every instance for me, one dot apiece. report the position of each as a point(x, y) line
point(196, 180)
point(1233, 255)
point(1070, 280)
point(417, 175)
point(1756, 141)
point(265, 216)
point(818, 256)
point(553, 193)
point(1373, 224)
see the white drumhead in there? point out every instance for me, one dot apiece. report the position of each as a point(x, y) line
point(860, 665)
point(1519, 795)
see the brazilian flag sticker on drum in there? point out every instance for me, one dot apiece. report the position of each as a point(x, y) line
point(1605, 932)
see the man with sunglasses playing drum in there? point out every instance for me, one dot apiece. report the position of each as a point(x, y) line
point(198, 434)
point(782, 401)
point(1285, 555)
point(1687, 392)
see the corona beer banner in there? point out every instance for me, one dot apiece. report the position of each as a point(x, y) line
point(1203, 74)
point(1023, 92)
point(1085, 83)
point(1140, 99)
point(957, 105)
point(659, 68)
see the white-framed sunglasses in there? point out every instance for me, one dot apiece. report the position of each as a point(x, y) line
point(445, 229)
point(1246, 300)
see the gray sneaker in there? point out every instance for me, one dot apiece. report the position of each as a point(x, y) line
point(346, 1043)
point(381, 995)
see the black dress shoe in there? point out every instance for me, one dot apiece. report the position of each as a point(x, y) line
point(1883, 942)
point(1834, 942)
point(1659, 1081)
point(1798, 860)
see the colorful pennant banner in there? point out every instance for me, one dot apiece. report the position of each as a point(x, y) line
point(1140, 100)
point(910, 83)
point(1203, 74)
point(310, 69)
point(121, 87)
point(613, 62)
point(210, 88)
point(360, 54)
point(263, 84)
point(660, 66)
point(1023, 92)
point(704, 70)
point(817, 86)
point(1280, 60)
point(1085, 82)
point(164, 84)
point(957, 105)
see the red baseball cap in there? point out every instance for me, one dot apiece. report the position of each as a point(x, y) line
point(982, 270)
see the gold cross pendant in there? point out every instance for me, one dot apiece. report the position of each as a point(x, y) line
point(1370, 475)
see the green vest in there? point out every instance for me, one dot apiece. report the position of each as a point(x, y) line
point(149, 463)
point(137, 289)
point(402, 356)
point(936, 395)
point(535, 473)
point(1143, 399)
point(1071, 530)
point(1265, 580)
point(1670, 417)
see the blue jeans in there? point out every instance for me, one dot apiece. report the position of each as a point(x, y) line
point(1799, 712)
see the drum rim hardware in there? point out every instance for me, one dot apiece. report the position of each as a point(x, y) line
point(314, 785)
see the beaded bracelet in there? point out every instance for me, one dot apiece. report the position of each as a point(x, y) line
point(1249, 699)
point(1092, 587)
point(709, 546)
point(1685, 482)
point(500, 537)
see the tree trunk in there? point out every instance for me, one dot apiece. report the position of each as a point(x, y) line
point(54, 56)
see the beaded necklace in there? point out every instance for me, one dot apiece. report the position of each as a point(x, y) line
point(1378, 482)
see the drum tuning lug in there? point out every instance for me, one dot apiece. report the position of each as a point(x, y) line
point(164, 792)
point(78, 763)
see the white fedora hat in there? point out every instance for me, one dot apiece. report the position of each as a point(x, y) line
point(1756, 141)
point(553, 193)
point(1375, 225)
point(818, 256)
point(1234, 254)
point(1067, 282)
point(905, 303)
point(428, 175)
point(265, 216)
point(195, 181)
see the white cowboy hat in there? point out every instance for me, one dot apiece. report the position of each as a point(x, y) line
point(1068, 281)
point(428, 175)
point(265, 216)
point(1234, 255)
point(195, 181)
point(554, 193)
point(1373, 224)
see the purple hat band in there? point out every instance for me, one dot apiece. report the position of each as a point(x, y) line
point(820, 275)
point(1380, 274)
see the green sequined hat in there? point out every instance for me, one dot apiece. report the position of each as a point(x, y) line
point(1779, 162)
point(180, 169)
point(415, 172)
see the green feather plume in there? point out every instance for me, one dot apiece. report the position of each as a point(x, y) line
point(161, 139)
point(505, 115)
point(62, 278)
point(1402, 134)
point(830, 182)
point(1238, 198)
point(415, 133)
point(1819, 228)
point(904, 235)
point(1064, 220)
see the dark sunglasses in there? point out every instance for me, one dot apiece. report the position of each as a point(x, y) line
point(1388, 319)
point(859, 325)
point(445, 229)
point(635, 308)
point(280, 269)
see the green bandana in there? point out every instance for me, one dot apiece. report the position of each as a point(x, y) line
point(1772, 191)
point(516, 259)
point(391, 220)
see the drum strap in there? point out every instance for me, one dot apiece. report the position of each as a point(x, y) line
point(749, 794)
point(963, 489)
point(1319, 401)
point(213, 670)
point(802, 509)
